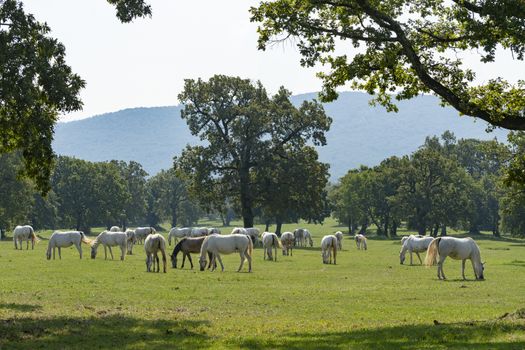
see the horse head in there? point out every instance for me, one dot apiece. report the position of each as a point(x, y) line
point(202, 262)
point(93, 251)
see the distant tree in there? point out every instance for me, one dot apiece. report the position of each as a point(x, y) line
point(127, 10)
point(170, 199)
point(135, 181)
point(293, 187)
point(16, 196)
point(244, 130)
point(407, 48)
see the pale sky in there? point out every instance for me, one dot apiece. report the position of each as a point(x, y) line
point(144, 63)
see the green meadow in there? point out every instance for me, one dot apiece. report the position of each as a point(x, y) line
point(367, 301)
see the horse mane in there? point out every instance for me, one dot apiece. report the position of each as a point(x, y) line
point(178, 247)
point(204, 246)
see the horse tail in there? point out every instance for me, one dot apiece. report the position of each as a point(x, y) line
point(34, 238)
point(204, 246)
point(432, 252)
point(279, 244)
point(249, 249)
point(84, 239)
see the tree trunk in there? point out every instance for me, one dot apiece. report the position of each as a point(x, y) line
point(267, 228)
point(174, 219)
point(421, 230)
point(278, 227)
point(474, 230)
point(393, 230)
point(495, 226)
point(435, 230)
point(443, 230)
point(387, 222)
point(363, 228)
point(246, 197)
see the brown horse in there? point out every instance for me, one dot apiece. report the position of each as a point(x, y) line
point(187, 245)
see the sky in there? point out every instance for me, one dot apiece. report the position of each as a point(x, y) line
point(144, 63)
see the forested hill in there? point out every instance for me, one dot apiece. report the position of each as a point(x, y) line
point(360, 134)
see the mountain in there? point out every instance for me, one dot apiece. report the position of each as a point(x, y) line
point(360, 133)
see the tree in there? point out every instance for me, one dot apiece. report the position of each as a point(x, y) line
point(170, 199)
point(135, 181)
point(244, 129)
point(15, 194)
point(293, 187)
point(37, 85)
point(406, 47)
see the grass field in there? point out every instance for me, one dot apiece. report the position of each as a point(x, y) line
point(367, 301)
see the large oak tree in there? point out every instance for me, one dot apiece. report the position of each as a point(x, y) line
point(406, 47)
point(244, 130)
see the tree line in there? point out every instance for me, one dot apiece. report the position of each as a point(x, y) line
point(467, 184)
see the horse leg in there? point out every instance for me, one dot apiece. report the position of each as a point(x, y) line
point(241, 254)
point(60, 253)
point(440, 268)
point(419, 257)
point(463, 269)
point(220, 261)
point(275, 254)
point(110, 252)
point(411, 261)
point(191, 262)
point(158, 261)
point(79, 248)
point(53, 253)
point(213, 264)
point(105, 253)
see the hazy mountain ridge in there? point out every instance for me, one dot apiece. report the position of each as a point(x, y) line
point(360, 134)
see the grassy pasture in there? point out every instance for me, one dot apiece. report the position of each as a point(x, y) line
point(367, 301)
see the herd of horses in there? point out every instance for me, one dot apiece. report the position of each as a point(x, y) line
point(210, 244)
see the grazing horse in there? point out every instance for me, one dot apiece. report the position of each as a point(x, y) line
point(108, 240)
point(414, 244)
point(329, 246)
point(114, 229)
point(178, 233)
point(287, 242)
point(269, 241)
point(457, 248)
point(188, 245)
point(64, 240)
point(339, 236)
point(142, 232)
point(152, 245)
point(308, 237)
point(24, 233)
point(404, 238)
point(298, 233)
point(360, 241)
point(217, 244)
point(199, 232)
point(252, 232)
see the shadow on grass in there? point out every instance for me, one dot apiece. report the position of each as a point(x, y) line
point(475, 335)
point(113, 331)
point(520, 263)
point(20, 307)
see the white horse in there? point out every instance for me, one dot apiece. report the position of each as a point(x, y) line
point(329, 246)
point(414, 244)
point(217, 244)
point(339, 236)
point(24, 233)
point(178, 233)
point(457, 248)
point(131, 240)
point(404, 238)
point(298, 233)
point(287, 242)
point(114, 229)
point(360, 241)
point(65, 240)
point(108, 240)
point(142, 232)
point(214, 231)
point(152, 245)
point(252, 232)
point(269, 241)
point(199, 232)
point(308, 237)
